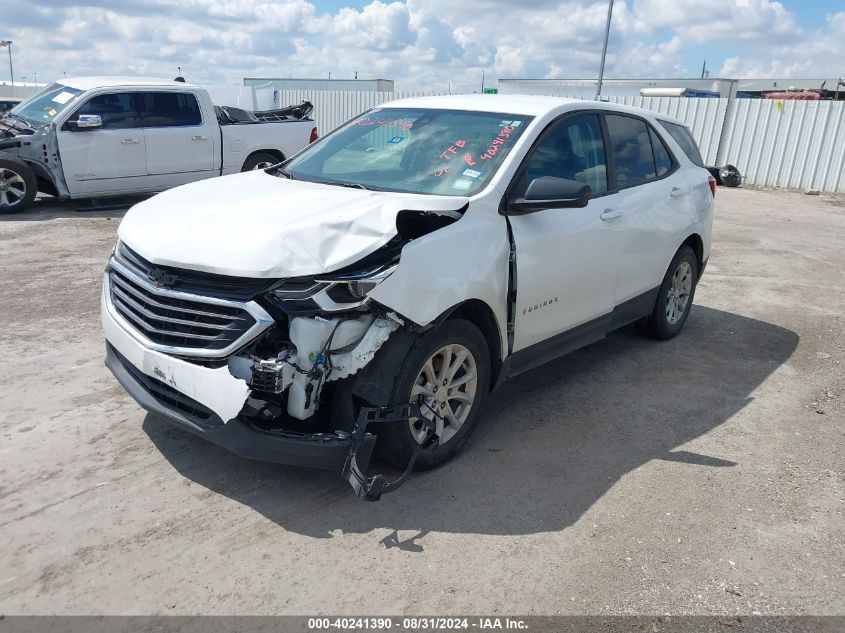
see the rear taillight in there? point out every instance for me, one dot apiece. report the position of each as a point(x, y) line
point(710, 180)
point(315, 136)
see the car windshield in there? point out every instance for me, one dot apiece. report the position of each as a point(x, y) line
point(414, 150)
point(42, 108)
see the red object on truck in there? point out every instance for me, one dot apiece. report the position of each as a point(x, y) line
point(807, 95)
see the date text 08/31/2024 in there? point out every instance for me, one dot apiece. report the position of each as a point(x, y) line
point(417, 623)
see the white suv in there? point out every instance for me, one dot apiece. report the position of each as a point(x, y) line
point(399, 269)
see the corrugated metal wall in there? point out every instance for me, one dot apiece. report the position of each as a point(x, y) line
point(795, 144)
point(332, 108)
point(21, 92)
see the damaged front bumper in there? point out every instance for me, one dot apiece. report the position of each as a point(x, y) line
point(208, 401)
point(316, 450)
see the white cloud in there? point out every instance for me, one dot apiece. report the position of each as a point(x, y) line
point(419, 43)
point(817, 54)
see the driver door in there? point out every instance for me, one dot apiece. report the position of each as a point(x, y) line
point(565, 270)
point(108, 159)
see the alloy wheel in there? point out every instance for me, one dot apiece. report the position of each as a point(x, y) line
point(679, 293)
point(445, 390)
point(12, 187)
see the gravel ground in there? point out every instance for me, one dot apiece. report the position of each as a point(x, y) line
point(698, 476)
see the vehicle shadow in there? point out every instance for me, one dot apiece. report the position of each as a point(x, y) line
point(551, 443)
point(49, 208)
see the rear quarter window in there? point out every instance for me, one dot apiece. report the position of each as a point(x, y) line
point(683, 138)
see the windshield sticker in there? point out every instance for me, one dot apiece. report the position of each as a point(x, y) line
point(500, 139)
point(453, 149)
point(396, 139)
point(462, 184)
point(402, 123)
point(442, 171)
point(52, 112)
point(471, 173)
point(63, 97)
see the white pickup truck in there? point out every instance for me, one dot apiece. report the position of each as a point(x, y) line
point(92, 137)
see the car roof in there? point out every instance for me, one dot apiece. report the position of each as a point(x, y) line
point(531, 105)
point(89, 83)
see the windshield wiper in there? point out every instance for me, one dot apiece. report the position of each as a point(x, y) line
point(353, 185)
point(281, 171)
point(23, 122)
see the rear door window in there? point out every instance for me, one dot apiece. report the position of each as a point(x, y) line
point(630, 145)
point(169, 109)
point(683, 138)
point(662, 158)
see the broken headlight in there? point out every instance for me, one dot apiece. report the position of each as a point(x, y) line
point(328, 294)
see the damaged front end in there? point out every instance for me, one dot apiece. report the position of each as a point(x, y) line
point(276, 370)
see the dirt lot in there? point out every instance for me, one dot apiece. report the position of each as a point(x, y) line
point(702, 475)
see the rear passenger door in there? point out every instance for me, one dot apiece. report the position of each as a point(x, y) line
point(180, 147)
point(653, 205)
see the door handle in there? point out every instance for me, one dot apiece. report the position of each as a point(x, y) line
point(677, 192)
point(610, 214)
point(199, 138)
point(130, 141)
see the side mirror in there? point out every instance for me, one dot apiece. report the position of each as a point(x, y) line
point(88, 122)
point(548, 192)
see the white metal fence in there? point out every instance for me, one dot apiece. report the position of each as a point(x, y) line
point(332, 108)
point(797, 144)
point(6, 90)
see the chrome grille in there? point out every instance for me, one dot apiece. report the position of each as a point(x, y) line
point(182, 323)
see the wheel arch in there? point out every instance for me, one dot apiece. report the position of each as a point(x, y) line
point(695, 242)
point(272, 152)
point(482, 316)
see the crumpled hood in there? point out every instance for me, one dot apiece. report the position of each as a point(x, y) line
point(257, 225)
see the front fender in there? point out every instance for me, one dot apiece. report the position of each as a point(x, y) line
point(464, 260)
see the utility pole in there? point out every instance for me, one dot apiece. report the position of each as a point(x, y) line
point(8, 44)
point(604, 49)
point(482, 81)
point(704, 70)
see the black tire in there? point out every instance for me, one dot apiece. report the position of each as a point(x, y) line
point(260, 160)
point(396, 443)
point(18, 185)
point(729, 176)
point(658, 324)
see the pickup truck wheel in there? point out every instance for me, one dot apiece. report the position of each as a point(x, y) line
point(674, 299)
point(446, 372)
point(17, 185)
point(260, 160)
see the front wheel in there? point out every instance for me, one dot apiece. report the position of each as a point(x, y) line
point(17, 185)
point(674, 298)
point(447, 373)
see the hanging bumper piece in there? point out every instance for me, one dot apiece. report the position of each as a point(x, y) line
point(370, 488)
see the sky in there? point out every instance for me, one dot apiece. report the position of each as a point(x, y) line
point(422, 44)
